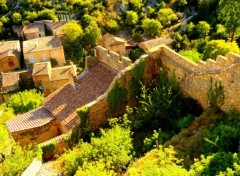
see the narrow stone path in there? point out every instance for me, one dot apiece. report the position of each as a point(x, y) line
point(48, 169)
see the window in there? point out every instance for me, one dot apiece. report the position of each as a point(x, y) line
point(31, 59)
point(39, 35)
point(44, 57)
point(10, 63)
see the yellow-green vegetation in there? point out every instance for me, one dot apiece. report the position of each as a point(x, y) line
point(192, 55)
point(161, 161)
point(112, 149)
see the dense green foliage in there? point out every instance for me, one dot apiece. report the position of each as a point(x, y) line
point(151, 27)
point(218, 47)
point(192, 55)
point(113, 149)
point(25, 101)
point(160, 161)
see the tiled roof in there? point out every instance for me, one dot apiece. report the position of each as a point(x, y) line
point(42, 68)
point(29, 120)
point(41, 44)
point(65, 72)
point(63, 102)
point(9, 79)
point(109, 40)
point(9, 48)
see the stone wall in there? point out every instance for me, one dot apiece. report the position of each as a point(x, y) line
point(194, 79)
point(111, 58)
point(37, 135)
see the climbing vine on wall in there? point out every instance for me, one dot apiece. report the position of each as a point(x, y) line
point(215, 94)
point(83, 114)
point(135, 83)
point(116, 97)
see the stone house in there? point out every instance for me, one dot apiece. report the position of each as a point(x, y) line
point(55, 28)
point(9, 55)
point(49, 79)
point(34, 30)
point(58, 114)
point(43, 49)
point(114, 44)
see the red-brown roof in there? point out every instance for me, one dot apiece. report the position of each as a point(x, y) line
point(32, 119)
point(63, 102)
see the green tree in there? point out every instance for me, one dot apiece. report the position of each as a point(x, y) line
point(192, 55)
point(228, 12)
point(31, 16)
point(131, 18)
point(73, 43)
point(219, 47)
point(166, 16)
point(151, 27)
point(203, 29)
point(25, 101)
point(17, 18)
point(92, 34)
point(136, 5)
point(47, 14)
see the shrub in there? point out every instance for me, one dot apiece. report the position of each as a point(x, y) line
point(192, 55)
point(48, 150)
point(218, 47)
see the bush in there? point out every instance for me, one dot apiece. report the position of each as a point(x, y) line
point(113, 148)
point(17, 161)
point(192, 55)
point(48, 150)
point(218, 47)
point(136, 53)
point(25, 101)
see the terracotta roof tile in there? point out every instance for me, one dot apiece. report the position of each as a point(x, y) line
point(9, 79)
point(63, 102)
point(29, 120)
point(41, 44)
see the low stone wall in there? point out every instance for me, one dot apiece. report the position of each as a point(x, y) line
point(38, 134)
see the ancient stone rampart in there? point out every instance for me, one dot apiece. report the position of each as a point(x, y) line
point(194, 80)
point(110, 58)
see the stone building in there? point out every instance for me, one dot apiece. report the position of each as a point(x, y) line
point(10, 53)
point(33, 30)
point(43, 49)
point(114, 44)
point(49, 79)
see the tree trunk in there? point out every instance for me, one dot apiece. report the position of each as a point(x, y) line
point(233, 35)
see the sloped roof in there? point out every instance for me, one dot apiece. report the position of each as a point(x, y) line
point(9, 79)
point(149, 44)
point(9, 48)
point(109, 40)
point(42, 68)
point(41, 44)
point(32, 119)
point(65, 72)
point(63, 102)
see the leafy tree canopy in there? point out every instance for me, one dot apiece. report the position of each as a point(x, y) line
point(151, 27)
point(218, 47)
point(228, 12)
